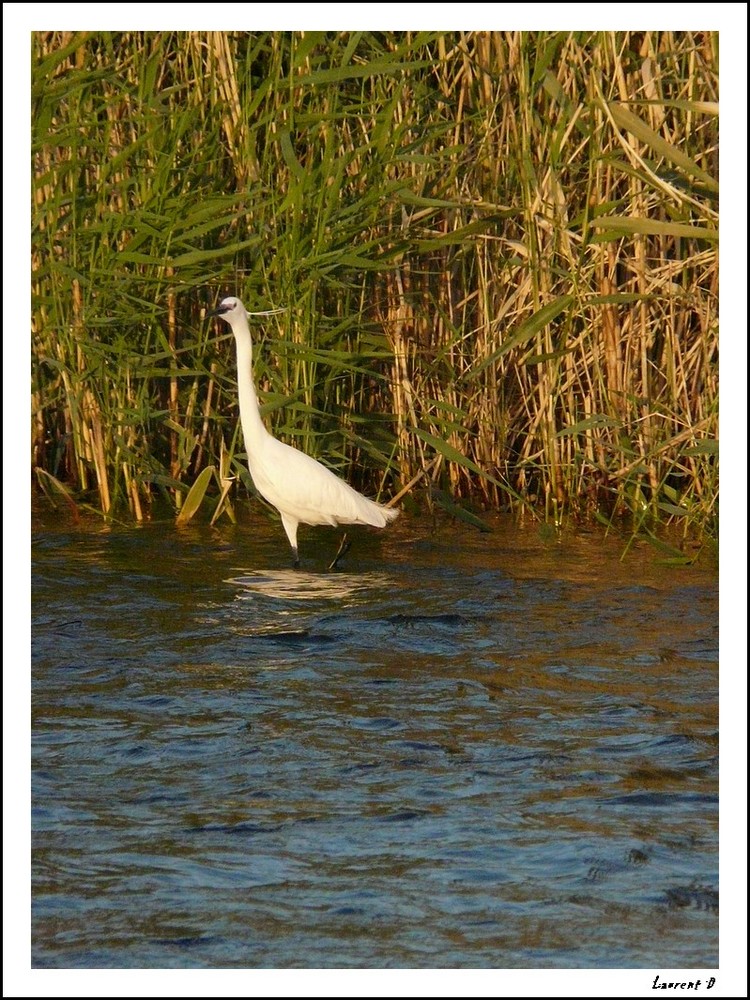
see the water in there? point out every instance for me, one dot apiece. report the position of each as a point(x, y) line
point(462, 750)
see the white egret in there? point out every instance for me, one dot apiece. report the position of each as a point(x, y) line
point(299, 487)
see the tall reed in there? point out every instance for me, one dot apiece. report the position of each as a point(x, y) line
point(498, 254)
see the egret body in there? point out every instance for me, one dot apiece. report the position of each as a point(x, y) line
point(299, 487)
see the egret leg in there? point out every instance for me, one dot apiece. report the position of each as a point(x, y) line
point(343, 549)
point(290, 527)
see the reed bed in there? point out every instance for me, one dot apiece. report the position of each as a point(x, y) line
point(497, 253)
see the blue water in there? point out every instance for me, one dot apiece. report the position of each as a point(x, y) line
point(462, 750)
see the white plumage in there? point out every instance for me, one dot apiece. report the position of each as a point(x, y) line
point(301, 489)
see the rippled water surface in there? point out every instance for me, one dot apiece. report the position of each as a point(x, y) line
point(459, 750)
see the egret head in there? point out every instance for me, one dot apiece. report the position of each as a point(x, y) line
point(229, 309)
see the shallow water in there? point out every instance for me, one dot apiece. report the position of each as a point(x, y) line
point(461, 750)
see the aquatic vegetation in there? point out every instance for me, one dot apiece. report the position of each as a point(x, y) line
point(497, 253)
